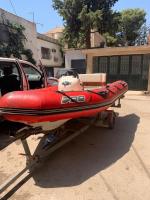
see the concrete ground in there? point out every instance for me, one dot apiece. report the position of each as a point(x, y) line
point(100, 164)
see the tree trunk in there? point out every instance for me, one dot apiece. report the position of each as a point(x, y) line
point(88, 39)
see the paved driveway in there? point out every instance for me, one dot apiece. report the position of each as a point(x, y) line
point(100, 164)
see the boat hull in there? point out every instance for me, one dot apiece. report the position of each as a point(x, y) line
point(49, 106)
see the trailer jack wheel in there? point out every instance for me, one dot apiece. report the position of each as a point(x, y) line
point(111, 120)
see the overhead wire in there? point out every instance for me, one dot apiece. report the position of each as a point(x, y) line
point(13, 6)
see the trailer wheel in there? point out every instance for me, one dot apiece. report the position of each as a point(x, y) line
point(111, 120)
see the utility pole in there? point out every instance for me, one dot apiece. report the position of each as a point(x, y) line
point(33, 17)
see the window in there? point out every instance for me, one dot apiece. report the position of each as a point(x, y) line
point(45, 53)
point(29, 70)
point(13, 66)
point(54, 50)
point(10, 78)
point(33, 75)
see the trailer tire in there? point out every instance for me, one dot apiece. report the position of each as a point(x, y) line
point(111, 121)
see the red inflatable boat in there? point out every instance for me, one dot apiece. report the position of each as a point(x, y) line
point(51, 104)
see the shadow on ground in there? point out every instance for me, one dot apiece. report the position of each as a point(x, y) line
point(6, 128)
point(88, 154)
point(5, 139)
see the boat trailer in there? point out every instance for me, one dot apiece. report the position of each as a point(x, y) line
point(52, 141)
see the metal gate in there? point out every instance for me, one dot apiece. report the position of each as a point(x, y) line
point(79, 65)
point(133, 69)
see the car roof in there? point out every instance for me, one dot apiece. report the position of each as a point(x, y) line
point(7, 59)
point(14, 60)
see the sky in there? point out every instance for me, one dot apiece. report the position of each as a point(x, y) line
point(47, 18)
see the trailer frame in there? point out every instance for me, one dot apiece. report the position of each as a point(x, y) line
point(35, 161)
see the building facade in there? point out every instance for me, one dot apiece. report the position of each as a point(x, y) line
point(50, 53)
point(55, 33)
point(43, 47)
point(97, 40)
point(75, 59)
point(131, 64)
point(30, 30)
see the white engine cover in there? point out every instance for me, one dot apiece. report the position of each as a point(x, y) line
point(69, 83)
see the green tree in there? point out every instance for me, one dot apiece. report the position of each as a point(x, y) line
point(131, 22)
point(111, 40)
point(15, 42)
point(143, 35)
point(82, 16)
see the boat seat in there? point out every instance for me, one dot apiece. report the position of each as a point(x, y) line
point(69, 83)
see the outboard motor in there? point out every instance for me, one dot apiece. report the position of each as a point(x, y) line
point(69, 83)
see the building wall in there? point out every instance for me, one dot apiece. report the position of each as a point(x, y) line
point(97, 40)
point(73, 55)
point(55, 59)
point(55, 33)
point(56, 36)
point(35, 40)
point(30, 30)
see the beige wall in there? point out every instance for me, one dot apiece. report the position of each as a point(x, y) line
point(73, 55)
point(57, 36)
point(149, 79)
point(30, 30)
point(55, 33)
point(97, 39)
point(57, 54)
